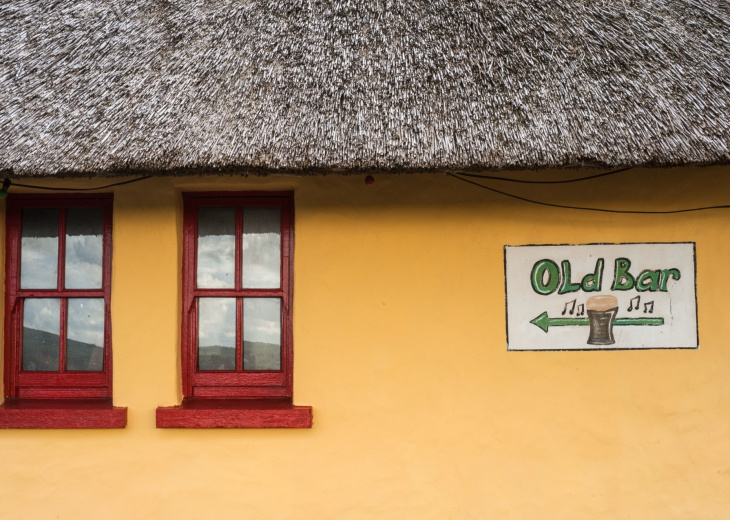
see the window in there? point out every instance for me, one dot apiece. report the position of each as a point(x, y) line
point(237, 354)
point(58, 362)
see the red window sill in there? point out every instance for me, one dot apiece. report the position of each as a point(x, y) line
point(234, 413)
point(61, 413)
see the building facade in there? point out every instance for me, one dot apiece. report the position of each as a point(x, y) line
point(257, 259)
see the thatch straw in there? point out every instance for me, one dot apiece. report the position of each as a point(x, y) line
point(105, 86)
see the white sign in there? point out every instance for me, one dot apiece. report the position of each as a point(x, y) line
point(601, 296)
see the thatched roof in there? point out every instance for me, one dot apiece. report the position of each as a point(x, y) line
point(108, 86)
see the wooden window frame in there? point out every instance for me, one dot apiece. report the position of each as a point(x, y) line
point(63, 399)
point(235, 399)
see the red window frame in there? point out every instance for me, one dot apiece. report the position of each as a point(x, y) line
point(62, 384)
point(238, 384)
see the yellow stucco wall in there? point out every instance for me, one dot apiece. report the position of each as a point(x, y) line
point(399, 337)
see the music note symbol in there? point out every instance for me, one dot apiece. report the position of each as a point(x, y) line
point(581, 310)
point(633, 305)
point(651, 307)
point(566, 308)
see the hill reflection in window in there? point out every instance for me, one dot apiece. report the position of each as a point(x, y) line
point(261, 334)
point(85, 341)
point(217, 334)
point(41, 334)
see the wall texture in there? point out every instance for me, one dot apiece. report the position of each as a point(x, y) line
point(399, 338)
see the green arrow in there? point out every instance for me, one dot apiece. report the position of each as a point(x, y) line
point(639, 321)
point(544, 322)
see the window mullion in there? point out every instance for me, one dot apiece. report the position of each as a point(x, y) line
point(192, 347)
point(68, 293)
point(61, 249)
point(106, 259)
point(60, 287)
point(15, 344)
point(285, 252)
point(239, 248)
point(223, 293)
point(238, 284)
point(239, 334)
point(62, 336)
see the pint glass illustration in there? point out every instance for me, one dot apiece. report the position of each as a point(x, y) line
point(601, 312)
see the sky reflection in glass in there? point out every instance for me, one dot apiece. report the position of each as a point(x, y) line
point(216, 247)
point(39, 249)
point(261, 248)
point(84, 248)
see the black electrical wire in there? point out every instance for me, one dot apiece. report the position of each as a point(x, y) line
point(80, 189)
point(524, 181)
point(460, 177)
point(603, 210)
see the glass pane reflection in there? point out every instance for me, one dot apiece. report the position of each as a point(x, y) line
point(41, 334)
point(217, 334)
point(261, 247)
point(39, 249)
point(84, 231)
point(261, 334)
point(85, 340)
point(216, 247)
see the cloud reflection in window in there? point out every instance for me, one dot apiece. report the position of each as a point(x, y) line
point(39, 249)
point(216, 247)
point(261, 247)
point(84, 248)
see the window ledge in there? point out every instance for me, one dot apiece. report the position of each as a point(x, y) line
point(61, 413)
point(234, 413)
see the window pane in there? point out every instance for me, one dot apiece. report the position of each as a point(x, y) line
point(261, 248)
point(41, 331)
point(85, 335)
point(84, 229)
point(217, 334)
point(261, 334)
point(39, 249)
point(216, 247)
